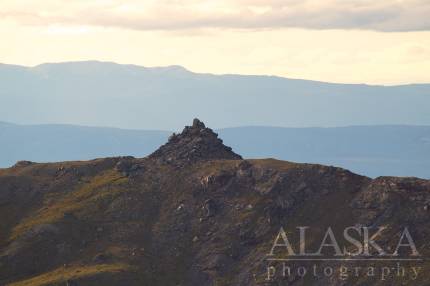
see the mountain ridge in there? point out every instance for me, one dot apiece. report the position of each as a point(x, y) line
point(182, 68)
point(367, 150)
point(211, 221)
point(104, 94)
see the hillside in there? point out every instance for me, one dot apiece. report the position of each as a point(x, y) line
point(134, 97)
point(192, 213)
point(368, 150)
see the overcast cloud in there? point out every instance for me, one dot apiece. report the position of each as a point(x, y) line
point(381, 15)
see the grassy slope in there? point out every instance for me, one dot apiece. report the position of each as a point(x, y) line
point(63, 274)
point(144, 229)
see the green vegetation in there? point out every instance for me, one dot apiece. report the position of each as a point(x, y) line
point(99, 187)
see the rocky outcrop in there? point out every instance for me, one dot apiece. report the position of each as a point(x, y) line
point(195, 143)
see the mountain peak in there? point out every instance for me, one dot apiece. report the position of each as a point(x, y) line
point(198, 124)
point(194, 143)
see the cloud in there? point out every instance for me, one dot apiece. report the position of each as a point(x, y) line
point(381, 15)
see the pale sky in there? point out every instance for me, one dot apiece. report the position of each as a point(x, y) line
point(350, 41)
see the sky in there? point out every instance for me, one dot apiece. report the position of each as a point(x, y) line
point(348, 41)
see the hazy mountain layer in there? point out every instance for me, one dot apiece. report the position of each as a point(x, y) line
point(133, 97)
point(368, 150)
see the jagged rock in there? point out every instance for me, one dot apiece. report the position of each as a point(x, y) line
point(198, 124)
point(23, 163)
point(195, 143)
point(126, 165)
point(209, 207)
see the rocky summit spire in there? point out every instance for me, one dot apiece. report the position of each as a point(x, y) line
point(195, 143)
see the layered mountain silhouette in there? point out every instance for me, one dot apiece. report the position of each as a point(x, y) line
point(192, 213)
point(134, 97)
point(368, 150)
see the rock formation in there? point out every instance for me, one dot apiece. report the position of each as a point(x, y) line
point(195, 143)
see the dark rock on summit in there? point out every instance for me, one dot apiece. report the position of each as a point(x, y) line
point(23, 163)
point(195, 143)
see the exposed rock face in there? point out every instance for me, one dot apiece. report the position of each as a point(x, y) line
point(195, 143)
point(128, 221)
point(23, 163)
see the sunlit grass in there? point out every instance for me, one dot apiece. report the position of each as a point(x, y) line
point(71, 273)
point(101, 186)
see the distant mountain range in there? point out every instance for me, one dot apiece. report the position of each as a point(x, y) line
point(368, 150)
point(134, 97)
